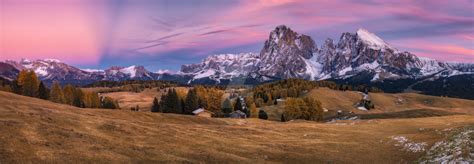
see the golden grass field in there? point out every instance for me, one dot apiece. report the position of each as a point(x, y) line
point(143, 99)
point(35, 130)
point(334, 100)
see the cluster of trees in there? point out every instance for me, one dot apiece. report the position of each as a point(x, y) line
point(5, 85)
point(368, 104)
point(302, 108)
point(28, 84)
point(209, 98)
point(267, 94)
point(132, 85)
point(173, 101)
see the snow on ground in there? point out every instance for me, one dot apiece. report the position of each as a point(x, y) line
point(458, 148)
point(407, 145)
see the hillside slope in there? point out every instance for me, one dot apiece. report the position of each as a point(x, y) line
point(41, 131)
point(334, 100)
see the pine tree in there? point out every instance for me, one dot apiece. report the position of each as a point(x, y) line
point(253, 111)
point(262, 115)
point(192, 102)
point(43, 92)
point(78, 97)
point(156, 106)
point(238, 105)
point(68, 92)
point(28, 82)
point(175, 102)
point(94, 100)
point(181, 102)
point(214, 100)
point(227, 107)
point(109, 103)
point(56, 94)
point(172, 103)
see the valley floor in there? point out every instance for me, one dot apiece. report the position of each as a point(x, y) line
point(41, 131)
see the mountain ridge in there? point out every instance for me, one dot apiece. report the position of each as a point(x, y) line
point(356, 58)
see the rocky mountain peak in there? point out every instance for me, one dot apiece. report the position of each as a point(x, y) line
point(284, 53)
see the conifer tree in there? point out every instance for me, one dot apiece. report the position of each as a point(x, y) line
point(262, 115)
point(56, 94)
point(95, 100)
point(238, 105)
point(253, 111)
point(28, 82)
point(192, 102)
point(175, 102)
point(43, 92)
point(227, 107)
point(68, 92)
point(156, 106)
point(78, 97)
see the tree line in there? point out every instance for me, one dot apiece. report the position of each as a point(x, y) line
point(209, 98)
point(28, 84)
point(267, 94)
point(131, 85)
point(306, 108)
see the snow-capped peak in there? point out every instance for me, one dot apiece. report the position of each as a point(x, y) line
point(165, 71)
point(25, 60)
point(92, 70)
point(371, 39)
point(52, 60)
point(129, 70)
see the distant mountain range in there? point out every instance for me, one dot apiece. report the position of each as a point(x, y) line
point(357, 58)
point(287, 54)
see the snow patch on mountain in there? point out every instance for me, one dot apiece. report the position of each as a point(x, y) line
point(130, 71)
point(92, 70)
point(52, 60)
point(371, 39)
point(41, 71)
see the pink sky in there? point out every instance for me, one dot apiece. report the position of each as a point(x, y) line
point(163, 34)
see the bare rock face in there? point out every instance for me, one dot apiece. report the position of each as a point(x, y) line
point(284, 54)
point(287, 54)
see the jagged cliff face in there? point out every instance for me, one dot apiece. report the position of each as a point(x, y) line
point(366, 51)
point(284, 54)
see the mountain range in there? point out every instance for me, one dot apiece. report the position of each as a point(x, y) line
point(356, 58)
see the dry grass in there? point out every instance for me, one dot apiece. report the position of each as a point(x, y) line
point(143, 99)
point(334, 100)
point(40, 131)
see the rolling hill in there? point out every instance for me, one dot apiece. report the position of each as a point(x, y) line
point(41, 131)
